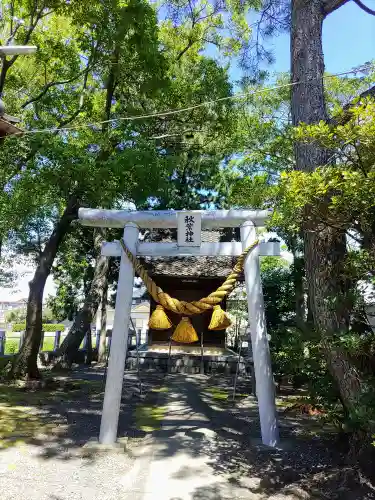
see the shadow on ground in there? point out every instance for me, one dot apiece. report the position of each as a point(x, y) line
point(308, 464)
point(62, 418)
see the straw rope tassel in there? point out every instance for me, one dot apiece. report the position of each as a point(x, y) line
point(197, 306)
point(159, 320)
point(219, 319)
point(185, 332)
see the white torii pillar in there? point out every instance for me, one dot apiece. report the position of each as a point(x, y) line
point(265, 387)
point(119, 343)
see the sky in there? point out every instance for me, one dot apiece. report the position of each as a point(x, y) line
point(348, 41)
point(21, 288)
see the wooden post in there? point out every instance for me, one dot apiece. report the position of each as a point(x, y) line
point(56, 343)
point(202, 355)
point(259, 340)
point(85, 341)
point(88, 347)
point(237, 370)
point(22, 335)
point(2, 342)
point(169, 362)
point(41, 342)
point(253, 381)
point(120, 332)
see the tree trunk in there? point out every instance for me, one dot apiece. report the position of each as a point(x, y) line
point(103, 326)
point(25, 363)
point(368, 237)
point(325, 248)
point(308, 102)
point(5, 66)
point(298, 283)
point(83, 320)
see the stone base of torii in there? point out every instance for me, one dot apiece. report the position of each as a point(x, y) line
point(132, 222)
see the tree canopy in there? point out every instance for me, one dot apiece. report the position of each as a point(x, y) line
point(133, 104)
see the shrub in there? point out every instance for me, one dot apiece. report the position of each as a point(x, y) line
point(48, 327)
point(11, 347)
point(53, 327)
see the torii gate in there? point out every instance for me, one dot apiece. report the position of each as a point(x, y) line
point(132, 222)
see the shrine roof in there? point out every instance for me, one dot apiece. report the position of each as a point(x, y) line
point(190, 267)
point(8, 128)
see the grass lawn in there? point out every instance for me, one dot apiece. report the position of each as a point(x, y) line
point(12, 343)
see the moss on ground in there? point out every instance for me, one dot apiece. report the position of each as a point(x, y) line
point(160, 389)
point(21, 415)
point(148, 418)
point(19, 424)
point(217, 394)
point(223, 395)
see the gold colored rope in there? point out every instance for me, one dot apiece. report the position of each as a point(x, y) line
point(197, 306)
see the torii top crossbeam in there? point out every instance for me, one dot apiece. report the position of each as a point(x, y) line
point(211, 219)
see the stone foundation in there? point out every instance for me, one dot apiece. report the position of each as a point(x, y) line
point(185, 362)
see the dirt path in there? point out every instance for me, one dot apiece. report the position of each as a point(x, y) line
point(186, 440)
point(209, 448)
point(182, 454)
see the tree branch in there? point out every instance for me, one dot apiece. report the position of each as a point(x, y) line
point(347, 110)
point(65, 122)
point(185, 49)
point(61, 125)
point(111, 87)
point(11, 16)
point(192, 14)
point(330, 5)
point(7, 63)
point(13, 34)
point(364, 7)
point(53, 84)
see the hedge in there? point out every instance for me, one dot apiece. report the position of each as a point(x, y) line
point(48, 327)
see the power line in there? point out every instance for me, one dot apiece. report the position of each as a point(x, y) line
point(161, 114)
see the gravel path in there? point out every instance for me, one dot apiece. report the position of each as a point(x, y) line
point(202, 446)
point(52, 464)
point(25, 475)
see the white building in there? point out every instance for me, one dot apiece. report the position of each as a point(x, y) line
point(140, 315)
point(7, 306)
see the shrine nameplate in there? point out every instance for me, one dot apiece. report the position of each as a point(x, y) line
point(189, 229)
